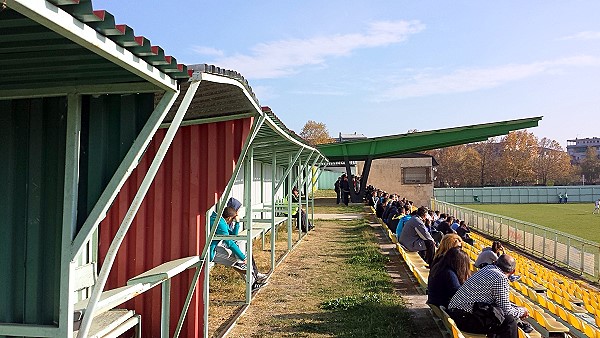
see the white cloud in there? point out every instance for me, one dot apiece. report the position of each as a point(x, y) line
point(473, 79)
point(586, 35)
point(203, 50)
point(285, 57)
point(320, 92)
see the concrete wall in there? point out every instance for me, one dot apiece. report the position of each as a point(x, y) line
point(386, 174)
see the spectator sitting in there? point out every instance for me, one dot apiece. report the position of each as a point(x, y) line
point(488, 285)
point(407, 215)
point(393, 211)
point(372, 200)
point(437, 222)
point(445, 227)
point(448, 242)
point(415, 237)
point(489, 255)
point(446, 277)
point(463, 232)
point(455, 224)
point(395, 219)
point(227, 252)
point(380, 208)
point(299, 212)
point(386, 210)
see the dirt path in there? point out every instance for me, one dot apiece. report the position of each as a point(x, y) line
point(289, 305)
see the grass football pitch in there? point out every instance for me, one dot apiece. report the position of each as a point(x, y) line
point(572, 218)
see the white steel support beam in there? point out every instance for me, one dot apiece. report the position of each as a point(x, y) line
point(133, 208)
point(66, 25)
point(129, 163)
point(69, 221)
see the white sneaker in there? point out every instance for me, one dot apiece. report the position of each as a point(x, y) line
point(261, 277)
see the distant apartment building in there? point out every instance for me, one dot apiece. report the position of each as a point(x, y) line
point(577, 148)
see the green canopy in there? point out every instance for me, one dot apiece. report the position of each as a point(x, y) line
point(386, 146)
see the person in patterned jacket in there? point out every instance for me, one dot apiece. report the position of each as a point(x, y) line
point(489, 285)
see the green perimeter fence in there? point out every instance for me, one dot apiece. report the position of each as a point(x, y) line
point(516, 195)
point(574, 253)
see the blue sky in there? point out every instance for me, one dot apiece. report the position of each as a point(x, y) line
point(384, 67)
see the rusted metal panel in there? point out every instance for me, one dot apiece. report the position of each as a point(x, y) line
point(171, 221)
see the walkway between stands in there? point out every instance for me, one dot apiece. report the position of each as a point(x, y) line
point(290, 304)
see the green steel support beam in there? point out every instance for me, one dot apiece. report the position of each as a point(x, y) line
point(414, 142)
point(257, 124)
point(133, 208)
point(112, 88)
point(273, 192)
point(65, 322)
point(211, 120)
point(288, 175)
point(290, 167)
point(129, 163)
point(248, 185)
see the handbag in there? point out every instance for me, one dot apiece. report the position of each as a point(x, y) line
point(490, 315)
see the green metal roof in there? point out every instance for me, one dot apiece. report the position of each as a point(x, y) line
point(381, 147)
point(64, 43)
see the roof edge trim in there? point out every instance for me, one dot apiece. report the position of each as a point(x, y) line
point(63, 23)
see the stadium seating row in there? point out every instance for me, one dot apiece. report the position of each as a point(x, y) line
point(421, 273)
point(557, 301)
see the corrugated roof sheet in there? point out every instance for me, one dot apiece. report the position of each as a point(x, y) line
point(33, 55)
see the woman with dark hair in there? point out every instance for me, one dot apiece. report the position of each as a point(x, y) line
point(489, 255)
point(446, 277)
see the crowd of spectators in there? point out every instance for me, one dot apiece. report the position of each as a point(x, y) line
point(478, 302)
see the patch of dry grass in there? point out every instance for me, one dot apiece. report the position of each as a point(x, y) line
point(228, 288)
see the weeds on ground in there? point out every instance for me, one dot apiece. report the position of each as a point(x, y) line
point(324, 193)
point(372, 300)
point(339, 209)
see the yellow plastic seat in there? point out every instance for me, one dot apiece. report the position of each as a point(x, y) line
point(551, 307)
point(587, 329)
point(562, 313)
point(574, 321)
point(548, 322)
point(542, 300)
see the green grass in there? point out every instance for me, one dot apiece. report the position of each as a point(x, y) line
point(572, 218)
point(370, 307)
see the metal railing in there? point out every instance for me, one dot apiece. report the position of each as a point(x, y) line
point(574, 253)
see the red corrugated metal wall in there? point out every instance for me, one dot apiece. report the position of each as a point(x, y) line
point(171, 221)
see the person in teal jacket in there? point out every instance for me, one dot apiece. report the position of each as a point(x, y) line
point(227, 252)
point(223, 229)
